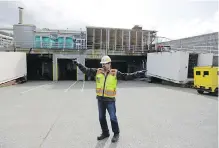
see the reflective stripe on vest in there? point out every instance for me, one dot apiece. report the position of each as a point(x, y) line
point(110, 84)
point(108, 93)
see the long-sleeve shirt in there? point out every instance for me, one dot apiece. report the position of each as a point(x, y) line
point(120, 76)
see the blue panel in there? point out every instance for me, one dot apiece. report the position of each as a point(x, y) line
point(37, 42)
point(54, 43)
point(61, 42)
point(46, 42)
point(69, 43)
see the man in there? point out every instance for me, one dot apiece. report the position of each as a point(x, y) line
point(106, 83)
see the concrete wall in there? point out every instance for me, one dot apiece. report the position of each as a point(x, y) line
point(205, 59)
point(80, 58)
point(12, 66)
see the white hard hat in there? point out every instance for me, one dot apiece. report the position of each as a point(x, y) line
point(105, 59)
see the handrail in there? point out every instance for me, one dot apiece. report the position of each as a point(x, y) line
point(103, 48)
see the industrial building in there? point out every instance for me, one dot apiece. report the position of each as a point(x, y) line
point(5, 41)
point(199, 43)
point(51, 114)
point(205, 43)
point(50, 51)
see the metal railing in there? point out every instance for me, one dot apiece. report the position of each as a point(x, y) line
point(192, 49)
point(104, 48)
point(77, 46)
point(5, 43)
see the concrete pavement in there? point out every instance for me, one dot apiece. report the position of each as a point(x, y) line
point(45, 114)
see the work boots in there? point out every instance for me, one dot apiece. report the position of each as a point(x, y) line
point(102, 136)
point(115, 138)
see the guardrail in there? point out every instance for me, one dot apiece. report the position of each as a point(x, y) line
point(197, 49)
point(101, 49)
point(89, 49)
point(5, 42)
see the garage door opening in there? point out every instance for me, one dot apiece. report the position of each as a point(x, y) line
point(39, 67)
point(66, 70)
point(121, 66)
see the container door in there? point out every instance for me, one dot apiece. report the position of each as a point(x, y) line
point(198, 77)
point(207, 80)
point(215, 76)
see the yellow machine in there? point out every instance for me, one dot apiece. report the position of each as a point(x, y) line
point(206, 79)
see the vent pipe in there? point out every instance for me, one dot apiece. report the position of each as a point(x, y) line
point(20, 15)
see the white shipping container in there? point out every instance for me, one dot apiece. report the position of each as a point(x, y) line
point(12, 66)
point(172, 66)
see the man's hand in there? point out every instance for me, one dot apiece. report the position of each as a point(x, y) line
point(74, 61)
point(141, 73)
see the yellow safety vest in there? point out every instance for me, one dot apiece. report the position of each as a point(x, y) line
point(109, 90)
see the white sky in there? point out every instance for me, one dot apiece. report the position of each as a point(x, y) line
point(171, 18)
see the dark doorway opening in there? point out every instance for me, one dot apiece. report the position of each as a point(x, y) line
point(122, 66)
point(39, 67)
point(66, 70)
point(193, 61)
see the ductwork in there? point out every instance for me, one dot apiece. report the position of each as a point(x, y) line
point(6, 29)
point(6, 33)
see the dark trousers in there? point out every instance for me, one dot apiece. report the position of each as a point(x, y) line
point(111, 108)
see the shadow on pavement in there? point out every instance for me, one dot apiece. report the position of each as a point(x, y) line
point(101, 144)
point(113, 145)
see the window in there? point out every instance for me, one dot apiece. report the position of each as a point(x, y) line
point(198, 73)
point(206, 72)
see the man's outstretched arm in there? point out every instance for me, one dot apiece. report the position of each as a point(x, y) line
point(84, 69)
point(130, 76)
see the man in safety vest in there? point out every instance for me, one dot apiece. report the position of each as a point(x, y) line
point(106, 84)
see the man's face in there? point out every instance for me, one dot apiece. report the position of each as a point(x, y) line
point(106, 66)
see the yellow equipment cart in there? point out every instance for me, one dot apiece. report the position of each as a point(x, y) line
point(206, 79)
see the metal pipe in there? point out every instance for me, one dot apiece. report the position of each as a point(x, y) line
point(66, 30)
point(6, 33)
point(60, 30)
point(122, 38)
point(73, 32)
point(20, 15)
point(6, 37)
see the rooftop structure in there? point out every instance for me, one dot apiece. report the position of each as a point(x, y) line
point(106, 38)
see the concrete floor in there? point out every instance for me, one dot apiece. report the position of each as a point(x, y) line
point(64, 115)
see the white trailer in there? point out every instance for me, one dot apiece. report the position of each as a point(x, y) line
point(13, 66)
point(175, 66)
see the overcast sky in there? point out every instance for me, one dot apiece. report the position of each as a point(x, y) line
point(171, 18)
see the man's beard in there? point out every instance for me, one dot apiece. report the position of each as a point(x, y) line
point(105, 68)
